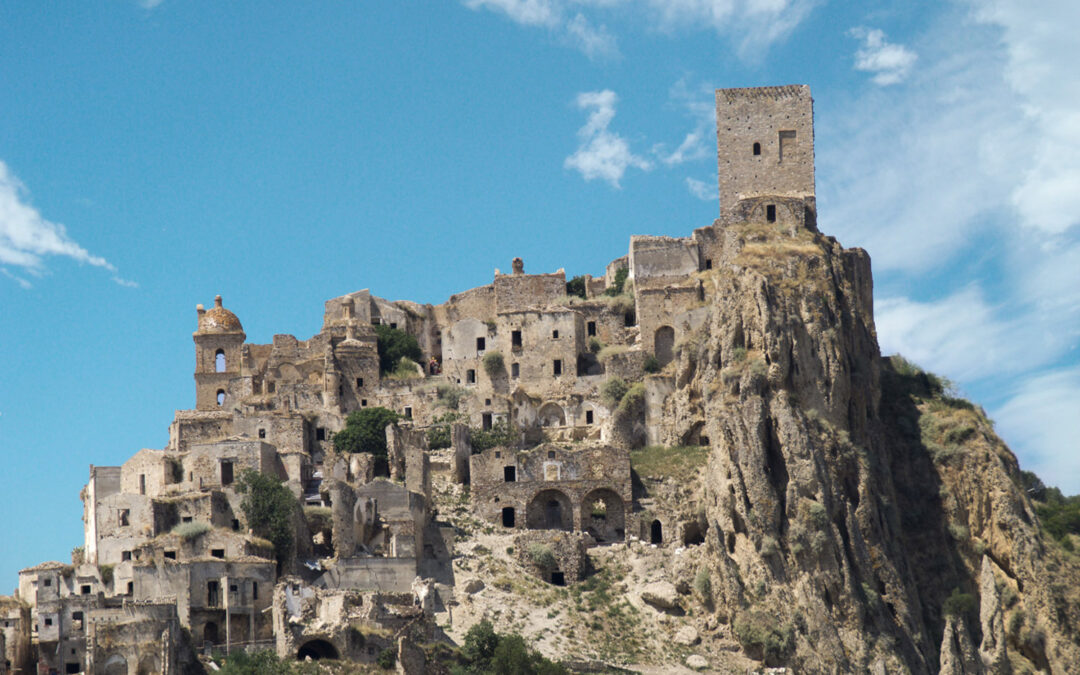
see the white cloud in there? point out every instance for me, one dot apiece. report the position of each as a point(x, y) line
point(26, 238)
point(752, 24)
point(889, 62)
point(596, 43)
point(601, 152)
point(698, 102)
point(1040, 422)
point(702, 190)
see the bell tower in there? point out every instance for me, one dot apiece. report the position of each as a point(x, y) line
point(219, 341)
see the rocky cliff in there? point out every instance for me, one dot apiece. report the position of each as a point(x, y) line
point(859, 518)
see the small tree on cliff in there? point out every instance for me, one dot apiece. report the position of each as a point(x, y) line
point(365, 431)
point(270, 509)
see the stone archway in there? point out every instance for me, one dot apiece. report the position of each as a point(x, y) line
point(664, 344)
point(552, 415)
point(317, 649)
point(603, 515)
point(115, 665)
point(550, 510)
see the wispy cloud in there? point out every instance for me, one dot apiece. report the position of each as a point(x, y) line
point(1043, 413)
point(960, 181)
point(601, 152)
point(27, 238)
point(752, 25)
point(572, 28)
point(889, 62)
point(706, 192)
point(698, 104)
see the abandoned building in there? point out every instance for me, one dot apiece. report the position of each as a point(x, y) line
point(167, 547)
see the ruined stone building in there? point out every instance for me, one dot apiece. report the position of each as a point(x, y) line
point(168, 550)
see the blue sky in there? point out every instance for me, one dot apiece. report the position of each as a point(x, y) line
point(153, 154)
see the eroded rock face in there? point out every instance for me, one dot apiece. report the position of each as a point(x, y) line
point(827, 508)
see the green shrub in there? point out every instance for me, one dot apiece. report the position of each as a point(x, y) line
point(817, 514)
point(651, 364)
point(485, 651)
point(738, 355)
point(395, 344)
point(188, 531)
point(319, 518)
point(386, 659)
point(959, 603)
point(493, 364)
point(576, 286)
point(620, 282)
point(703, 586)
point(407, 369)
point(439, 434)
point(595, 346)
point(365, 431)
point(761, 633)
point(480, 643)
point(266, 662)
point(106, 573)
point(612, 391)
point(634, 398)
point(542, 556)
point(501, 433)
point(449, 395)
point(270, 509)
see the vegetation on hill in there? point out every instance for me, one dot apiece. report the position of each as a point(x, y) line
point(1059, 515)
point(576, 286)
point(620, 281)
point(393, 345)
point(365, 431)
point(681, 463)
point(270, 509)
point(485, 651)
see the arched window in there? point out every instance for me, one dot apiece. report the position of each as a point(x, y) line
point(219, 361)
point(221, 397)
point(757, 148)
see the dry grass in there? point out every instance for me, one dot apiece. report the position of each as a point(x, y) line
point(682, 463)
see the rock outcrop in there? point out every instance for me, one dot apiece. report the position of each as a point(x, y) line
point(848, 497)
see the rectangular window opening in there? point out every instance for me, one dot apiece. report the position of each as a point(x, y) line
point(170, 555)
point(218, 553)
point(485, 421)
point(470, 376)
point(554, 335)
point(590, 328)
point(320, 434)
point(408, 413)
point(588, 417)
point(787, 144)
point(708, 263)
point(226, 472)
point(125, 517)
point(84, 589)
point(125, 556)
point(515, 370)
point(556, 367)
point(509, 474)
point(481, 344)
point(770, 213)
point(515, 339)
point(359, 383)
point(363, 403)
point(142, 483)
point(262, 433)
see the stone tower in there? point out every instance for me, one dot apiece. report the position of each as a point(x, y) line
point(765, 146)
point(219, 341)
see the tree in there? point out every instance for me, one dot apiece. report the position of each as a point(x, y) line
point(393, 344)
point(365, 431)
point(270, 509)
point(480, 644)
point(620, 282)
point(266, 662)
point(576, 286)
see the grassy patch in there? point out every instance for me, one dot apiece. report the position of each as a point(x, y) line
point(658, 461)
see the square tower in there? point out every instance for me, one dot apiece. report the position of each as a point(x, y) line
point(765, 145)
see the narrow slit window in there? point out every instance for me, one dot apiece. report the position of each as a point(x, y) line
point(219, 361)
point(757, 149)
point(515, 370)
point(770, 213)
point(556, 367)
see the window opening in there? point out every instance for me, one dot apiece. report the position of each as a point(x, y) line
point(509, 474)
point(557, 367)
point(254, 590)
point(558, 578)
point(125, 518)
point(142, 483)
point(588, 417)
point(408, 413)
point(515, 338)
point(590, 328)
point(236, 525)
point(221, 397)
point(185, 519)
point(470, 376)
point(219, 361)
point(212, 590)
point(508, 516)
point(770, 213)
point(708, 263)
point(787, 144)
point(363, 403)
point(76, 616)
point(271, 387)
point(226, 473)
point(320, 434)
point(515, 370)
point(84, 589)
point(262, 433)
point(125, 556)
point(170, 555)
point(217, 553)
point(359, 382)
point(481, 345)
point(757, 148)
point(554, 335)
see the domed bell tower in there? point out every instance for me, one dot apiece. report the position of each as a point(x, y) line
point(219, 342)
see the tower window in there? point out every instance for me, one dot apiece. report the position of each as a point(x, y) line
point(590, 328)
point(757, 148)
point(515, 369)
point(221, 397)
point(770, 213)
point(556, 367)
point(515, 338)
point(219, 361)
point(320, 433)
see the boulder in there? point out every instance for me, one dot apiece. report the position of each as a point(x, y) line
point(697, 662)
point(661, 594)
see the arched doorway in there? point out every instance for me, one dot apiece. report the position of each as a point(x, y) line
point(550, 510)
point(656, 532)
point(317, 649)
point(602, 515)
point(552, 415)
point(116, 665)
point(664, 344)
point(149, 665)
